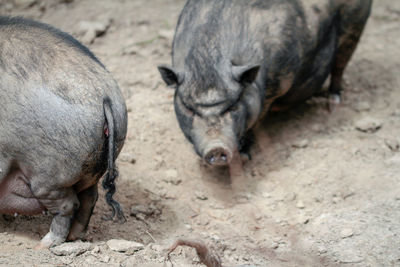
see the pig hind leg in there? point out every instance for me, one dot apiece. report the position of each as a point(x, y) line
point(62, 203)
point(87, 199)
point(351, 21)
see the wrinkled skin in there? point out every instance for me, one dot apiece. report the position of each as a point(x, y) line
point(234, 60)
point(60, 109)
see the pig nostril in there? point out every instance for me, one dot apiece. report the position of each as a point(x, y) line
point(211, 160)
point(224, 157)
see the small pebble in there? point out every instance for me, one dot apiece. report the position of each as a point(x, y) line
point(300, 204)
point(215, 238)
point(127, 157)
point(258, 216)
point(144, 210)
point(362, 106)
point(300, 143)
point(368, 124)
point(106, 259)
point(171, 176)
point(346, 232)
point(275, 245)
point(322, 250)
point(277, 239)
point(200, 195)
point(95, 250)
point(318, 199)
point(336, 200)
point(392, 144)
point(166, 34)
point(89, 30)
point(130, 50)
point(242, 198)
point(202, 221)
point(266, 195)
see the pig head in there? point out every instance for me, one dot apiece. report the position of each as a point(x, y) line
point(215, 108)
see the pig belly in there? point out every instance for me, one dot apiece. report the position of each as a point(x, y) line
point(17, 197)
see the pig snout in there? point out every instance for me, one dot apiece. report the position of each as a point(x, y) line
point(218, 154)
point(215, 139)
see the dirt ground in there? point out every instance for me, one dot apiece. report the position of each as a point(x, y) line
point(318, 191)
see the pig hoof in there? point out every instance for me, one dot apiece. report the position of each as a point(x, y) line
point(73, 237)
point(333, 101)
point(76, 232)
point(49, 240)
point(245, 157)
point(41, 246)
point(8, 218)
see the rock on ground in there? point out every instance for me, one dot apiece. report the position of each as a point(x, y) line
point(71, 248)
point(121, 245)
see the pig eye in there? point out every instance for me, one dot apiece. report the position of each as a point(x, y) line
point(234, 106)
point(187, 109)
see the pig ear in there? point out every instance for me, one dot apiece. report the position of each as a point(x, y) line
point(245, 74)
point(170, 76)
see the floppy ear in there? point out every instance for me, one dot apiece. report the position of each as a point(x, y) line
point(169, 76)
point(245, 74)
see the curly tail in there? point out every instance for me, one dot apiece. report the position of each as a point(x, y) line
point(112, 172)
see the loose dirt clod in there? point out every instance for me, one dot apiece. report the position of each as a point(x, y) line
point(205, 255)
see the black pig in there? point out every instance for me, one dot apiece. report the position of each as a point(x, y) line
point(63, 122)
point(232, 59)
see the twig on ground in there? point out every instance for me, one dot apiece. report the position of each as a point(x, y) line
point(205, 255)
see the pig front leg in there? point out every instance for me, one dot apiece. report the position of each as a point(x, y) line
point(246, 142)
point(62, 204)
point(87, 199)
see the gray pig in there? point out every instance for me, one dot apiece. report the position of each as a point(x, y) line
point(63, 122)
point(233, 59)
